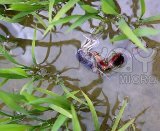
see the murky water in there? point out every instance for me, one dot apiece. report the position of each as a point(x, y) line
point(138, 79)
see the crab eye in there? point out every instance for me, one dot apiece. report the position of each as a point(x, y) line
point(119, 61)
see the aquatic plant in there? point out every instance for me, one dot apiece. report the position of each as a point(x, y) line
point(26, 108)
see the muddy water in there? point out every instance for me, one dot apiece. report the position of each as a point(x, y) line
point(138, 79)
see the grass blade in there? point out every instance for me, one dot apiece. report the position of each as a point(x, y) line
point(75, 121)
point(64, 9)
point(61, 111)
point(50, 93)
point(10, 100)
point(13, 73)
point(89, 9)
point(10, 1)
point(139, 32)
point(71, 95)
point(119, 116)
point(20, 15)
point(51, 3)
point(61, 22)
point(151, 19)
point(7, 19)
point(126, 30)
point(28, 87)
point(40, 20)
point(59, 122)
point(143, 7)
point(126, 126)
point(25, 7)
point(94, 114)
point(108, 8)
point(8, 56)
point(3, 82)
point(58, 101)
point(80, 21)
point(14, 127)
point(33, 47)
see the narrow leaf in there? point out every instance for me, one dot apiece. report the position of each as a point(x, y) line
point(107, 8)
point(71, 95)
point(25, 7)
point(7, 19)
point(80, 21)
point(14, 127)
point(61, 22)
point(8, 56)
point(51, 3)
point(13, 73)
point(125, 29)
point(89, 9)
point(10, 100)
point(59, 122)
point(3, 82)
point(94, 114)
point(40, 20)
point(65, 8)
point(143, 7)
point(61, 110)
point(139, 32)
point(10, 1)
point(119, 116)
point(126, 126)
point(59, 101)
point(33, 48)
point(75, 121)
point(151, 19)
point(20, 15)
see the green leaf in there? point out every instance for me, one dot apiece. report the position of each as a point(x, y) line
point(30, 97)
point(139, 32)
point(13, 73)
point(3, 82)
point(80, 21)
point(59, 122)
point(25, 7)
point(20, 15)
point(119, 116)
point(51, 3)
point(8, 56)
point(11, 101)
point(5, 120)
point(14, 127)
point(126, 126)
point(94, 114)
point(108, 8)
point(89, 9)
point(125, 29)
point(143, 7)
point(59, 101)
point(64, 9)
point(61, 110)
point(151, 19)
point(75, 121)
point(28, 87)
point(10, 1)
point(33, 47)
point(72, 96)
point(7, 19)
point(61, 22)
point(40, 20)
